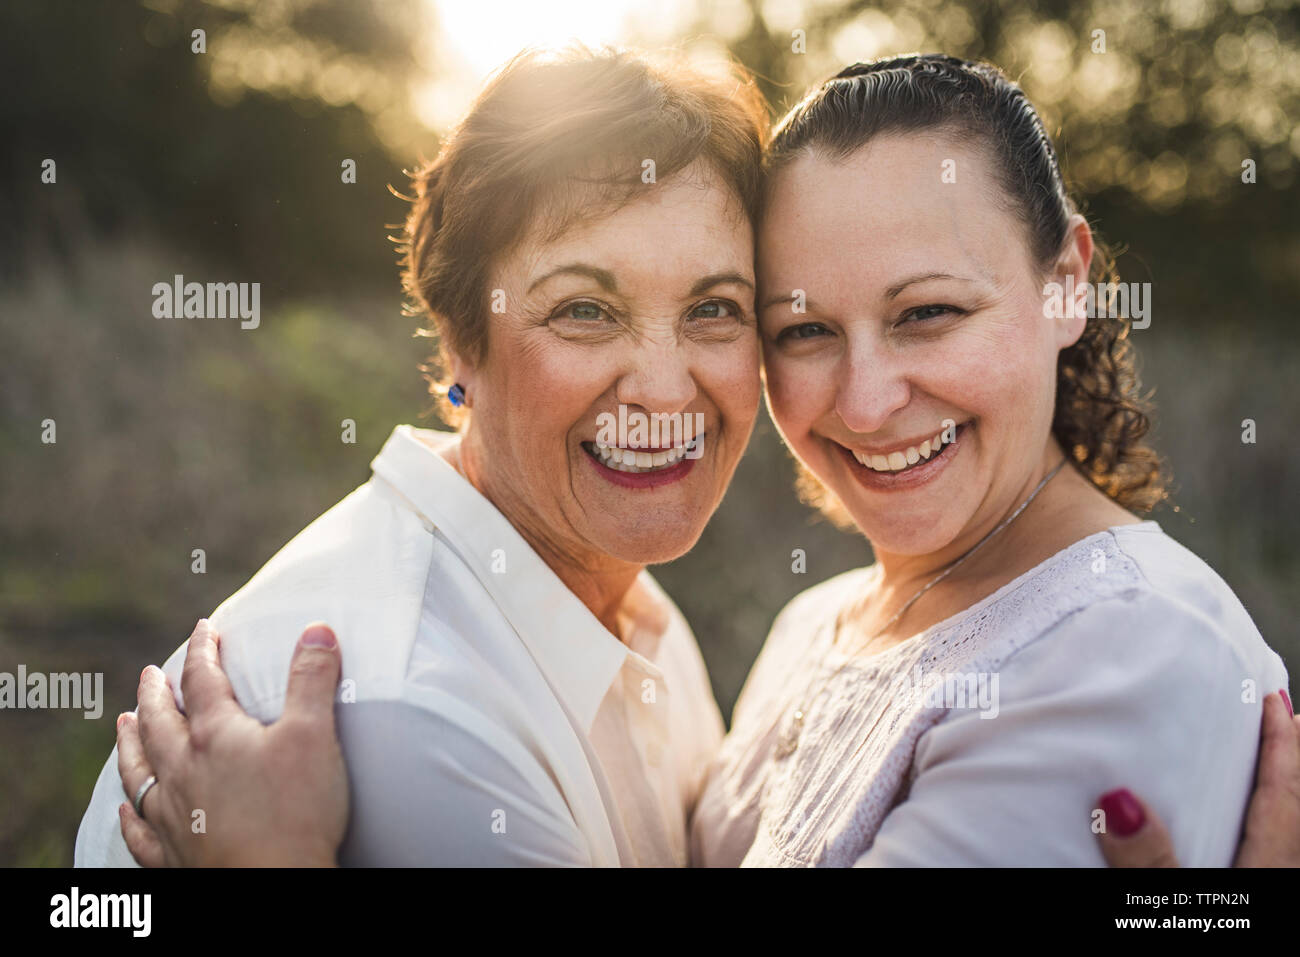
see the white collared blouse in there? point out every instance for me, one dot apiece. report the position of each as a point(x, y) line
point(487, 718)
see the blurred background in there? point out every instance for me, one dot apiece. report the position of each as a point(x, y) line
point(225, 165)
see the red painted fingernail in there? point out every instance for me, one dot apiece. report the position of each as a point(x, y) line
point(1123, 813)
point(1287, 699)
point(318, 636)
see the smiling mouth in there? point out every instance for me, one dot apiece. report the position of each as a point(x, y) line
point(641, 461)
point(904, 459)
point(905, 468)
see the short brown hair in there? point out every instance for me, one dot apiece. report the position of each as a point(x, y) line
point(548, 127)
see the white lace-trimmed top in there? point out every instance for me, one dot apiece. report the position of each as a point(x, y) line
point(1121, 661)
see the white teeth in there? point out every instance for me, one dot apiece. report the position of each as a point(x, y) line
point(897, 461)
point(632, 460)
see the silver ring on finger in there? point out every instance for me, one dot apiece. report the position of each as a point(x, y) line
point(139, 795)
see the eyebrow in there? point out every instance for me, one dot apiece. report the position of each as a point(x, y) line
point(606, 279)
point(603, 277)
point(719, 279)
point(776, 301)
point(893, 291)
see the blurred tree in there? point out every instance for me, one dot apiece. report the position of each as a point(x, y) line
point(232, 155)
point(1156, 105)
point(226, 165)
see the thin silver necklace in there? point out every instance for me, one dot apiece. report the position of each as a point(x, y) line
point(789, 739)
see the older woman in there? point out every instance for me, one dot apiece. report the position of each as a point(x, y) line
point(517, 690)
point(846, 396)
point(1022, 641)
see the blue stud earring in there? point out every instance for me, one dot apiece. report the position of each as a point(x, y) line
point(456, 395)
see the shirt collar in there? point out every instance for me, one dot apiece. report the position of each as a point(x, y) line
point(578, 656)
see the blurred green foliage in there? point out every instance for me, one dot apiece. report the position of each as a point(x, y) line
point(175, 435)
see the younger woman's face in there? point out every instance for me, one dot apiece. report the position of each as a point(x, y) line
point(908, 361)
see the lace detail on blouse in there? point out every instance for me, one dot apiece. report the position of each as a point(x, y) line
point(822, 804)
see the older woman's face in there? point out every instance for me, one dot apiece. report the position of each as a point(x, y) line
point(923, 309)
point(650, 308)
